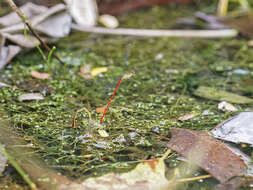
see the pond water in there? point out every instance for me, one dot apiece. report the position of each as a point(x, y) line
point(145, 107)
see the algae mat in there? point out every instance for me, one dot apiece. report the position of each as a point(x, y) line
point(144, 109)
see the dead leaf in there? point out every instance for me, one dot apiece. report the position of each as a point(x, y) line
point(149, 175)
point(7, 53)
point(186, 117)
point(85, 69)
point(85, 76)
point(48, 21)
point(36, 86)
point(38, 75)
point(85, 14)
point(243, 24)
point(237, 129)
point(29, 10)
point(3, 162)
point(103, 133)
point(224, 106)
point(4, 85)
point(21, 40)
point(250, 43)
point(3, 56)
point(56, 26)
point(98, 70)
point(109, 21)
point(220, 95)
point(208, 153)
point(100, 109)
point(30, 96)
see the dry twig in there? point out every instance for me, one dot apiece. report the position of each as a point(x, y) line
point(26, 22)
point(75, 115)
point(226, 33)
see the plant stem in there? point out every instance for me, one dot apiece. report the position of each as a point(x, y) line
point(101, 120)
point(18, 168)
point(25, 21)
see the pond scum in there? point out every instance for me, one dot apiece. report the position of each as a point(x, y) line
point(144, 108)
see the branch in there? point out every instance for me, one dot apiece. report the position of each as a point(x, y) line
point(25, 21)
point(226, 33)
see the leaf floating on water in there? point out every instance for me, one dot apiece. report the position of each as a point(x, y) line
point(148, 175)
point(238, 129)
point(186, 117)
point(4, 85)
point(213, 94)
point(30, 96)
point(210, 154)
point(100, 109)
point(38, 75)
point(103, 133)
point(224, 106)
point(96, 71)
point(109, 21)
point(85, 69)
point(3, 162)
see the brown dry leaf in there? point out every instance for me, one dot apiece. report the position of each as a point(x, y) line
point(243, 24)
point(85, 76)
point(100, 109)
point(30, 96)
point(186, 117)
point(85, 69)
point(38, 75)
point(208, 153)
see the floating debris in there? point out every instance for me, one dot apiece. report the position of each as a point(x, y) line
point(85, 69)
point(240, 72)
point(207, 112)
point(120, 139)
point(4, 85)
point(186, 117)
point(155, 129)
point(38, 75)
point(30, 96)
point(96, 71)
point(101, 144)
point(109, 21)
point(224, 106)
point(132, 135)
point(84, 14)
point(103, 133)
point(238, 129)
point(212, 155)
point(100, 109)
point(3, 162)
point(147, 175)
point(159, 57)
point(214, 94)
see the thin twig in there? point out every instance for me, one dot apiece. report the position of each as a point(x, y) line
point(18, 168)
point(166, 154)
point(226, 33)
point(194, 178)
point(75, 115)
point(23, 17)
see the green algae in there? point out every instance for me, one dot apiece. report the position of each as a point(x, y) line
point(160, 92)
